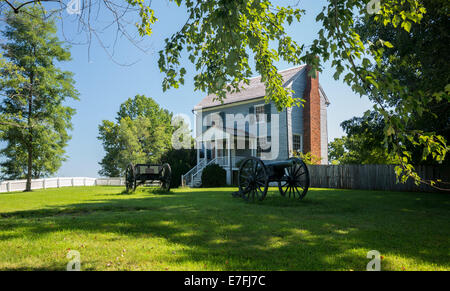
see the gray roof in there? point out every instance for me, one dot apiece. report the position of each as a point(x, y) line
point(255, 89)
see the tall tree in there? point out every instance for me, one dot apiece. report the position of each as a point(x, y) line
point(34, 120)
point(353, 150)
point(363, 143)
point(142, 133)
point(418, 60)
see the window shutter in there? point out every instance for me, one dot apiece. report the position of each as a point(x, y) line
point(251, 111)
point(224, 122)
point(267, 108)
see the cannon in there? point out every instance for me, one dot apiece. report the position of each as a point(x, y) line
point(254, 177)
point(140, 174)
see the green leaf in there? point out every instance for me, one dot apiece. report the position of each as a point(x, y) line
point(388, 44)
point(407, 26)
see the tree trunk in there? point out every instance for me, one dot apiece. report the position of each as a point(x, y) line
point(30, 164)
point(30, 138)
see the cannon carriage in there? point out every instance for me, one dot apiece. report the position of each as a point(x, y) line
point(291, 176)
point(140, 174)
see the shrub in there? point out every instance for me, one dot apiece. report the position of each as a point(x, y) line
point(308, 158)
point(214, 176)
point(180, 161)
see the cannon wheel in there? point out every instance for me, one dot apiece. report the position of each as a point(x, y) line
point(295, 182)
point(253, 179)
point(166, 176)
point(130, 178)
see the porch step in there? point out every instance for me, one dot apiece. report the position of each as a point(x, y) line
point(197, 182)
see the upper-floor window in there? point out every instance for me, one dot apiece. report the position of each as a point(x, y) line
point(260, 113)
point(297, 142)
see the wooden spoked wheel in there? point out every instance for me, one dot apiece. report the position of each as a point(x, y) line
point(253, 179)
point(130, 178)
point(166, 176)
point(295, 182)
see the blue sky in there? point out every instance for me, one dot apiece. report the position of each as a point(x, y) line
point(104, 85)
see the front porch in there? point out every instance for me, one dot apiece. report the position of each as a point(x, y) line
point(225, 147)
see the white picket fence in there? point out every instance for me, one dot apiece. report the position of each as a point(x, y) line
point(19, 185)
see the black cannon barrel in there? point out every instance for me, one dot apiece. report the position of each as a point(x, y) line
point(286, 163)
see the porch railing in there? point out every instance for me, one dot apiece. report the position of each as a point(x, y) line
point(187, 178)
point(224, 161)
point(199, 172)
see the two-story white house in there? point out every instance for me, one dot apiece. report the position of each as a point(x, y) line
point(245, 125)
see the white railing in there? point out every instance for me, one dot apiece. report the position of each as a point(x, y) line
point(188, 178)
point(213, 161)
point(20, 185)
point(224, 161)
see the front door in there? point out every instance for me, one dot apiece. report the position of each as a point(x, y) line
point(213, 153)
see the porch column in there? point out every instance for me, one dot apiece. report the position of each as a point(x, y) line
point(205, 146)
point(215, 148)
point(198, 151)
point(230, 166)
point(252, 146)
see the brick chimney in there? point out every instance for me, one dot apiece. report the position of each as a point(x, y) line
point(311, 116)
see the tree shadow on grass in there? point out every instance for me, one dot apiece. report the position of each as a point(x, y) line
point(146, 189)
point(329, 230)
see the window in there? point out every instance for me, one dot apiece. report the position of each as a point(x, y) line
point(297, 143)
point(260, 113)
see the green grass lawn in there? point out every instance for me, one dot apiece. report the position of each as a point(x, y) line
point(207, 229)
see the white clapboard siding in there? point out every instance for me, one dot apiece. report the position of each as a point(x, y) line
point(19, 185)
